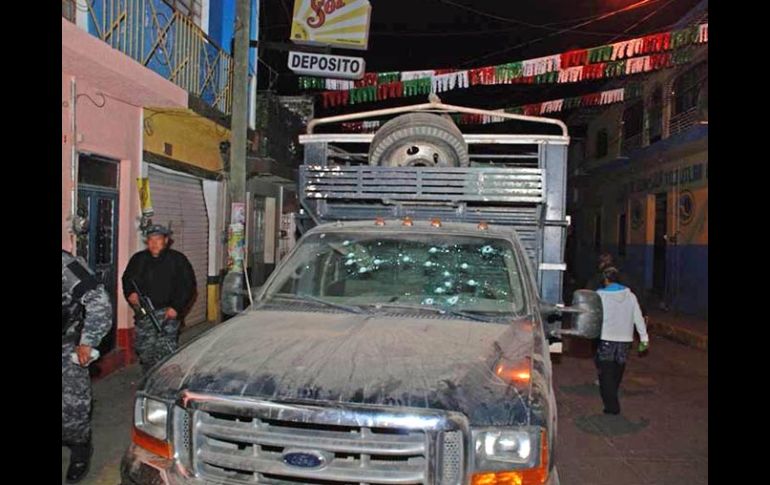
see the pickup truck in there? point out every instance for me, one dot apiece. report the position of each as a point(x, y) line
point(401, 348)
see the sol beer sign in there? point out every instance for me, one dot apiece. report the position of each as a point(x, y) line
point(337, 23)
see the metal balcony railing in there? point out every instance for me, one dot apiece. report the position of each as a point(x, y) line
point(164, 40)
point(681, 121)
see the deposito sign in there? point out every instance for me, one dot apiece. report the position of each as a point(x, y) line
point(326, 65)
point(337, 23)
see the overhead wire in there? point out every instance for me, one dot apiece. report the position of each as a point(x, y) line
point(552, 34)
point(543, 26)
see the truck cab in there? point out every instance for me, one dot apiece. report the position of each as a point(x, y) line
point(404, 340)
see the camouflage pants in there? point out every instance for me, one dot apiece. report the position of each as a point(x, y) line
point(150, 347)
point(75, 400)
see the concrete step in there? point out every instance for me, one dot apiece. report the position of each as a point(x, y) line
point(692, 337)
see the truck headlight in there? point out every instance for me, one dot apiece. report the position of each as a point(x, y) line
point(507, 446)
point(151, 417)
point(510, 455)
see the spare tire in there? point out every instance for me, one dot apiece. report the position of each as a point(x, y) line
point(419, 139)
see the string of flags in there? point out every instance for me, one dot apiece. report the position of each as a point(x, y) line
point(643, 54)
point(601, 98)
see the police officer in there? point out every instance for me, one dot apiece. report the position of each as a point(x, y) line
point(166, 277)
point(86, 319)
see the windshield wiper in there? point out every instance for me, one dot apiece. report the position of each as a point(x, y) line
point(321, 301)
point(443, 311)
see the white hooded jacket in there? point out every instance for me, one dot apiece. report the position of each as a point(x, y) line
point(621, 314)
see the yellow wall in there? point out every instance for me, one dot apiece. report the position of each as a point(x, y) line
point(194, 139)
point(692, 228)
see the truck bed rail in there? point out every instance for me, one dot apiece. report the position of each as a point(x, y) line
point(434, 184)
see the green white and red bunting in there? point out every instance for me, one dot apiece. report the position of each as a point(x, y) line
point(601, 98)
point(643, 54)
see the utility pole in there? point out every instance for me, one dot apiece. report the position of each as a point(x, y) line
point(240, 116)
point(233, 285)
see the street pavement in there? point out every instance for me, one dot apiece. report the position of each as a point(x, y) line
point(661, 436)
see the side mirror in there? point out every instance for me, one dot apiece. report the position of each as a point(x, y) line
point(587, 318)
point(233, 294)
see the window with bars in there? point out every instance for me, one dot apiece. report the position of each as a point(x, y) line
point(633, 120)
point(687, 87)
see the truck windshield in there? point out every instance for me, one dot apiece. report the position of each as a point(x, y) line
point(458, 273)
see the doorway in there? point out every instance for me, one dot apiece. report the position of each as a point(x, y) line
point(98, 205)
point(262, 238)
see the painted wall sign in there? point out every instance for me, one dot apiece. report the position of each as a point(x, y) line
point(326, 65)
point(337, 23)
point(686, 207)
point(688, 175)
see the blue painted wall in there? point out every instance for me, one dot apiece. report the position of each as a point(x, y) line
point(221, 22)
point(222, 25)
point(686, 274)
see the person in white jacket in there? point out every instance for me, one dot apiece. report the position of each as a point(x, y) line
point(621, 313)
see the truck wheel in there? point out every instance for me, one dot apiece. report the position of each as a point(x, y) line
point(419, 140)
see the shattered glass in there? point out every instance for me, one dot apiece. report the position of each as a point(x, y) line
point(461, 273)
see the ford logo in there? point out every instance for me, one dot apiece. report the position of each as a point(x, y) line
point(304, 459)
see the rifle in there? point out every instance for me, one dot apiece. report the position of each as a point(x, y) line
point(146, 309)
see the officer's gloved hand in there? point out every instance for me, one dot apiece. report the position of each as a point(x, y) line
point(643, 347)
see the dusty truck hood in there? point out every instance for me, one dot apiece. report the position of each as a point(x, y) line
point(404, 360)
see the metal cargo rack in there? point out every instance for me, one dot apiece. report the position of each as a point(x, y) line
point(513, 180)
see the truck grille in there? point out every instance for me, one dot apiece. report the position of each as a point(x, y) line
point(253, 444)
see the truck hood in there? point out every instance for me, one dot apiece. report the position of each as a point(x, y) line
point(425, 361)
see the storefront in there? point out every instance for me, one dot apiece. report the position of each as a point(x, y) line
point(179, 204)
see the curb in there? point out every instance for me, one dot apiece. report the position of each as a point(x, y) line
point(680, 335)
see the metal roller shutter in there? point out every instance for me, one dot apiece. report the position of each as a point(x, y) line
point(178, 202)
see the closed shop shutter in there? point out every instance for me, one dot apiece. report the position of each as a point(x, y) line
point(178, 202)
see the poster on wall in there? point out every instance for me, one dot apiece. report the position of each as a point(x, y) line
point(288, 229)
point(336, 23)
point(235, 247)
point(145, 201)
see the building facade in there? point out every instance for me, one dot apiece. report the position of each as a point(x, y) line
point(146, 97)
point(639, 188)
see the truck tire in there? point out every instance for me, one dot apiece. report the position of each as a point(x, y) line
point(419, 140)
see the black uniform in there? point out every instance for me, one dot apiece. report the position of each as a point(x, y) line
point(169, 281)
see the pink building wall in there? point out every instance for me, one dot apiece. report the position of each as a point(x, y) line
point(111, 90)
